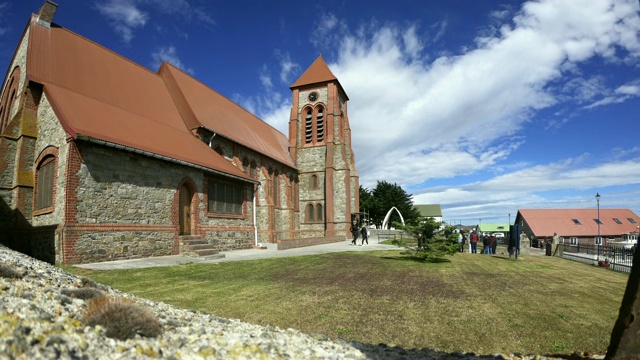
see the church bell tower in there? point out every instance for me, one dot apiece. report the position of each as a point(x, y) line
point(320, 145)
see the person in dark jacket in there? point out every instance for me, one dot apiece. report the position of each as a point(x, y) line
point(485, 241)
point(365, 235)
point(489, 248)
point(354, 232)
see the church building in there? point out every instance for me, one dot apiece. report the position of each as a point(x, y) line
point(102, 159)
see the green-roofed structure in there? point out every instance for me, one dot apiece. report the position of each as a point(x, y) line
point(490, 228)
point(430, 210)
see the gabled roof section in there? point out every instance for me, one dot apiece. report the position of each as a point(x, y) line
point(318, 72)
point(217, 113)
point(99, 94)
point(544, 222)
point(429, 210)
point(493, 227)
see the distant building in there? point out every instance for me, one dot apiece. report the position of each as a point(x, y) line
point(490, 228)
point(430, 211)
point(578, 226)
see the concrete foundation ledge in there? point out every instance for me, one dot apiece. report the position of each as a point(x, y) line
point(297, 243)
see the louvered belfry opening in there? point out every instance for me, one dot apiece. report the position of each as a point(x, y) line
point(320, 125)
point(308, 127)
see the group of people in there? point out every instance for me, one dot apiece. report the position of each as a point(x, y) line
point(356, 232)
point(489, 242)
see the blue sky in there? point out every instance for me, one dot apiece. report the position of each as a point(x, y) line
point(482, 106)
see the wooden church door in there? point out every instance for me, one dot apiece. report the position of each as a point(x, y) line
point(185, 210)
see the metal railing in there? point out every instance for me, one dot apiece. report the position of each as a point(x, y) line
point(617, 258)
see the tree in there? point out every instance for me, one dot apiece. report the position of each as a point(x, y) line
point(432, 245)
point(385, 196)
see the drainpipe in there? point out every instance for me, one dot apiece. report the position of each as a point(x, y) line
point(255, 224)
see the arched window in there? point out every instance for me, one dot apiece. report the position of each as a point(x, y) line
point(245, 166)
point(296, 193)
point(45, 174)
point(9, 97)
point(275, 188)
point(320, 124)
point(314, 129)
point(308, 126)
point(310, 211)
point(319, 213)
point(252, 171)
point(313, 182)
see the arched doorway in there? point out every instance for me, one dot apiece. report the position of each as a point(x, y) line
point(185, 210)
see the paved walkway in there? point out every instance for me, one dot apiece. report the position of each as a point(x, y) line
point(235, 255)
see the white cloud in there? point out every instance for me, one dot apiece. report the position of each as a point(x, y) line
point(428, 111)
point(629, 89)
point(520, 189)
point(265, 78)
point(287, 67)
point(415, 118)
point(124, 16)
point(170, 55)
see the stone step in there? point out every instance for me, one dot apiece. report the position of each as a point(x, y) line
point(194, 247)
point(194, 242)
point(205, 252)
point(212, 257)
point(191, 237)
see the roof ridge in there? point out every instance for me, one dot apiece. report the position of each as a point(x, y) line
point(57, 26)
point(116, 107)
point(225, 97)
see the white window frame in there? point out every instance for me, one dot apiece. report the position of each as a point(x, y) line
point(598, 240)
point(574, 240)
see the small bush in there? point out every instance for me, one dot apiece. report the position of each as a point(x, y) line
point(87, 282)
point(10, 272)
point(82, 293)
point(122, 319)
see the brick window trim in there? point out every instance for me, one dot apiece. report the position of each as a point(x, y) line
point(9, 97)
point(209, 214)
point(48, 155)
point(314, 121)
point(314, 207)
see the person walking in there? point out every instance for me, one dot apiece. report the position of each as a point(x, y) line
point(474, 243)
point(494, 249)
point(460, 244)
point(354, 232)
point(365, 235)
point(489, 248)
point(485, 240)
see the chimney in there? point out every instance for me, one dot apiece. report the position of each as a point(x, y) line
point(46, 12)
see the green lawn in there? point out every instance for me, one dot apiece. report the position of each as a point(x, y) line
point(474, 303)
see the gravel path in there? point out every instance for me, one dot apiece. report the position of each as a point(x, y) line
point(43, 317)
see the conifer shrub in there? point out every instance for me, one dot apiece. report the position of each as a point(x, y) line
point(8, 271)
point(121, 318)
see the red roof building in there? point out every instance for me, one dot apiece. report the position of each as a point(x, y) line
point(578, 225)
point(103, 159)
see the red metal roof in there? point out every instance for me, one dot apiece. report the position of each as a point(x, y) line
point(544, 222)
point(318, 72)
point(216, 112)
point(100, 94)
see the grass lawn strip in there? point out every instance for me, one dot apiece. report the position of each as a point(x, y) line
point(474, 303)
